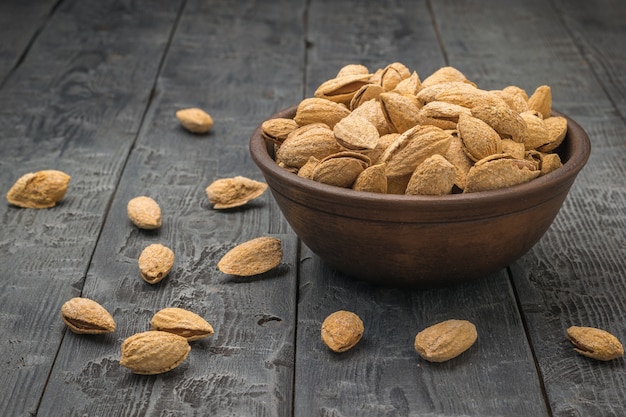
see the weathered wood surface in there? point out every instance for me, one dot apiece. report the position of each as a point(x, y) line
point(20, 23)
point(91, 87)
point(76, 104)
point(246, 367)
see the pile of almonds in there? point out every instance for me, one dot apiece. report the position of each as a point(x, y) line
point(389, 132)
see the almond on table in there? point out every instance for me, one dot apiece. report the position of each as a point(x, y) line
point(86, 316)
point(144, 212)
point(234, 192)
point(181, 322)
point(253, 257)
point(155, 262)
point(153, 352)
point(445, 340)
point(195, 120)
point(342, 330)
point(42, 189)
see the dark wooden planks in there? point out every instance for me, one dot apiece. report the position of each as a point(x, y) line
point(20, 22)
point(241, 62)
point(574, 275)
point(75, 104)
point(383, 375)
point(598, 30)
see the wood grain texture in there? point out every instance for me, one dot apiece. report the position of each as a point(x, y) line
point(20, 22)
point(73, 105)
point(91, 88)
point(598, 30)
point(369, 33)
point(383, 375)
point(574, 275)
point(225, 59)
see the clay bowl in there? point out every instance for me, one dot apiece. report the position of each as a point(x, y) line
point(420, 241)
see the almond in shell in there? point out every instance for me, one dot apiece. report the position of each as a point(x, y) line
point(253, 257)
point(340, 169)
point(503, 120)
point(86, 316)
point(538, 135)
point(478, 138)
point(499, 171)
point(412, 147)
point(226, 193)
point(595, 343)
point(445, 74)
point(182, 323)
point(434, 176)
point(277, 130)
point(155, 262)
point(315, 139)
point(320, 110)
point(195, 120)
point(373, 179)
point(557, 129)
point(342, 330)
point(401, 111)
point(42, 189)
point(153, 352)
point(144, 212)
point(341, 89)
point(356, 132)
point(445, 340)
point(541, 101)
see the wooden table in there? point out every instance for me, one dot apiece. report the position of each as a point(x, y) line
point(90, 87)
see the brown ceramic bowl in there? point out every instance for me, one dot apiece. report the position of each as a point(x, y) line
point(420, 241)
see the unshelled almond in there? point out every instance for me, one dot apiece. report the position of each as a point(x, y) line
point(595, 343)
point(155, 262)
point(144, 212)
point(226, 193)
point(253, 257)
point(342, 330)
point(195, 120)
point(153, 352)
point(86, 316)
point(434, 176)
point(42, 189)
point(446, 340)
point(182, 323)
point(320, 110)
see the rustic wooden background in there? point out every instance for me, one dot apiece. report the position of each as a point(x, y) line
point(90, 87)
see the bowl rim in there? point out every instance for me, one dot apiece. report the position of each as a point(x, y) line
point(579, 151)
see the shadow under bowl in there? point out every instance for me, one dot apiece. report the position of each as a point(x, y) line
point(420, 241)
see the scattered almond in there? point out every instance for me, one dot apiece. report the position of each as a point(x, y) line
point(182, 323)
point(153, 352)
point(155, 262)
point(253, 257)
point(42, 189)
point(144, 212)
point(234, 192)
point(342, 330)
point(86, 316)
point(595, 343)
point(195, 120)
point(446, 340)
